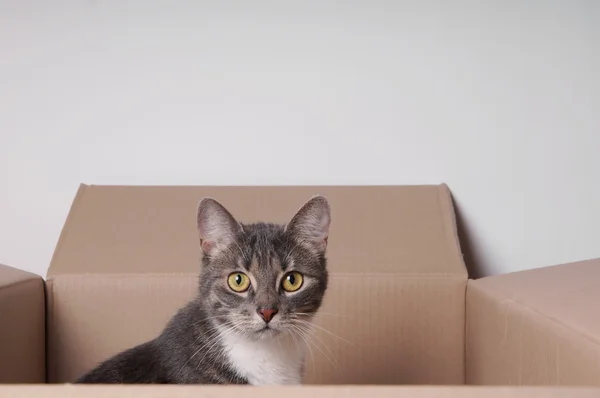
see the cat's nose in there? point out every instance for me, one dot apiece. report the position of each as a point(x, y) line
point(267, 313)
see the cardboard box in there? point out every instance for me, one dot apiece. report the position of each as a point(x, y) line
point(88, 391)
point(536, 327)
point(394, 315)
point(22, 327)
point(129, 257)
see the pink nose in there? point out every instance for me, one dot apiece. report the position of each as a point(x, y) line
point(267, 313)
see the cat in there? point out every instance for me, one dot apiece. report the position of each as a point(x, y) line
point(260, 286)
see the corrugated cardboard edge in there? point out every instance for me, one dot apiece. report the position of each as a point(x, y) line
point(448, 212)
point(124, 391)
point(12, 275)
point(451, 225)
point(49, 277)
point(49, 329)
point(65, 229)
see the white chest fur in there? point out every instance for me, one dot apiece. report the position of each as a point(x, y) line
point(269, 362)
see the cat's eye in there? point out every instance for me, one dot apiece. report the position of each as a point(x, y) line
point(292, 281)
point(238, 282)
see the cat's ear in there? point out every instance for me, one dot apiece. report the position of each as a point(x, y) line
point(217, 228)
point(310, 224)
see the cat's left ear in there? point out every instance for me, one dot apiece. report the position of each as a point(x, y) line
point(310, 224)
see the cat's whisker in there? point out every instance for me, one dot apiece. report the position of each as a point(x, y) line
point(291, 331)
point(209, 338)
point(218, 336)
point(210, 317)
point(308, 336)
point(295, 331)
point(309, 331)
point(279, 343)
point(212, 352)
point(324, 330)
point(208, 320)
point(319, 314)
point(211, 328)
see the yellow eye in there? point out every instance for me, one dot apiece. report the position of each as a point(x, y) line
point(292, 281)
point(238, 282)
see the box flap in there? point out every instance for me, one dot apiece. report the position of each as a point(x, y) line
point(375, 229)
point(22, 327)
point(10, 276)
point(535, 327)
point(566, 294)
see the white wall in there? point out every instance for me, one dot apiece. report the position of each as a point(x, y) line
point(499, 99)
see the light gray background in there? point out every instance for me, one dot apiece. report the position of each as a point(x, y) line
point(499, 99)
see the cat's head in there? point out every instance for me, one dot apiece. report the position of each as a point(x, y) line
point(261, 280)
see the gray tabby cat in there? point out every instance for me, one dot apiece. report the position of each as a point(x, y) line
point(259, 289)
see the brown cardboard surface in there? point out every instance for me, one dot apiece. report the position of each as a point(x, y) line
point(115, 229)
point(70, 391)
point(537, 327)
point(128, 258)
point(22, 327)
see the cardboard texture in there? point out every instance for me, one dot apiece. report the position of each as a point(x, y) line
point(536, 327)
point(22, 327)
point(399, 311)
point(128, 258)
point(69, 391)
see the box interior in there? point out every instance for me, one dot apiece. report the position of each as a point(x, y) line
point(129, 257)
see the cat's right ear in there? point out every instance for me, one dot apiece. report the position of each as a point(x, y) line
point(217, 228)
point(310, 225)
